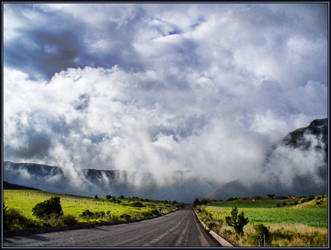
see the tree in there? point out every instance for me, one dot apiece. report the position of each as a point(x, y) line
point(45, 209)
point(262, 235)
point(196, 202)
point(204, 202)
point(236, 221)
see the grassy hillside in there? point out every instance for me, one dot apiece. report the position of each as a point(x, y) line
point(115, 209)
point(291, 222)
point(320, 201)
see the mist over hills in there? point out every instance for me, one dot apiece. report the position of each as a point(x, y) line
point(101, 182)
point(293, 149)
point(308, 145)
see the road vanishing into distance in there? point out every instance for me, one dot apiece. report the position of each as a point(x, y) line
point(180, 228)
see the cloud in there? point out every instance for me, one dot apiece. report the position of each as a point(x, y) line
point(150, 88)
point(40, 35)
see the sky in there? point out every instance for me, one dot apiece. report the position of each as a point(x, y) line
point(201, 89)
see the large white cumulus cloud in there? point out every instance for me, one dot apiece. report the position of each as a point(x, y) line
point(219, 84)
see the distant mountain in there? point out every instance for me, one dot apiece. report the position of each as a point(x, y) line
point(57, 179)
point(102, 182)
point(50, 171)
point(313, 138)
point(318, 128)
point(7, 185)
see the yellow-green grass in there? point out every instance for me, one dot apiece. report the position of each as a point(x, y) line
point(25, 200)
point(319, 201)
point(304, 224)
point(282, 235)
point(307, 216)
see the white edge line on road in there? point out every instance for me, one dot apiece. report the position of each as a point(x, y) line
point(217, 237)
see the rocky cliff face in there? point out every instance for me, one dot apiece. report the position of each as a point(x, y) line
point(317, 128)
point(312, 139)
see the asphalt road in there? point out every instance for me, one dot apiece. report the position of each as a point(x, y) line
point(180, 228)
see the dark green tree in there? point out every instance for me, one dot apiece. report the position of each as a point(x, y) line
point(196, 202)
point(45, 209)
point(236, 221)
point(261, 236)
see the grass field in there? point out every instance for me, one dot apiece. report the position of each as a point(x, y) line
point(25, 200)
point(307, 216)
point(299, 222)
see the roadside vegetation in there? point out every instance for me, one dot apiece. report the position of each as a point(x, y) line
point(35, 209)
point(271, 221)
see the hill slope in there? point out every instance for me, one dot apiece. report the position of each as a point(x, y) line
point(312, 139)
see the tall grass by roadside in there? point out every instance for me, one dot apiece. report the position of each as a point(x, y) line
point(296, 224)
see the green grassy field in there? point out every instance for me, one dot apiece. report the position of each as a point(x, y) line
point(25, 200)
point(307, 216)
point(299, 222)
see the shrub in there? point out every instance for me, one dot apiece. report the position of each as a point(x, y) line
point(155, 212)
point(126, 217)
point(69, 220)
point(96, 197)
point(87, 214)
point(257, 197)
point(211, 225)
point(112, 218)
point(204, 202)
point(54, 221)
point(12, 218)
point(310, 197)
point(271, 196)
point(100, 214)
point(6, 221)
point(147, 214)
point(236, 221)
point(108, 197)
point(196, 202)
point(261, 236)
point(43, 210)
point(137, 204)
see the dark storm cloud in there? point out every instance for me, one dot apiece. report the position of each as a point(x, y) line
point(52, 53)
point(42, 50)
point(37, 146)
